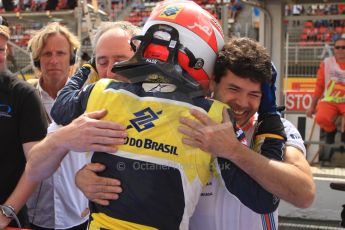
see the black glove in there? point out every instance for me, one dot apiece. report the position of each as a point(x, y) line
point(71, 94)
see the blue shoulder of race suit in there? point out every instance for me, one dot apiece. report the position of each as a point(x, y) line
point(72, 99)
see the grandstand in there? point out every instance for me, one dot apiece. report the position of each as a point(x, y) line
point(311, 34)
point(140, 10)
point(25, 18)
point(310, 28)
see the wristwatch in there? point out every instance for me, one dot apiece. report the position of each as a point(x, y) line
point(7, 211)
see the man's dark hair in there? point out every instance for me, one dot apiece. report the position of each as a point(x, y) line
point(245, 58)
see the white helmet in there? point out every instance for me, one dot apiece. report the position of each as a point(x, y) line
point(181, 33)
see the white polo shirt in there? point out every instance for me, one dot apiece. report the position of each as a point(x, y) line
point(218, 209)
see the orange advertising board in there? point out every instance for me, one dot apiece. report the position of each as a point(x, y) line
point(298, 93)
point(300, 84)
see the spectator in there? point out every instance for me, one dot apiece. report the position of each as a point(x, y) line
point(327, 9)
point(287, 10)
point(297, 10)
point(333, 9)
point(341, 8)
point(329, 95)
point(60, 185)
point(53, 51)
point(238, 81)
point(335, 37)
point(309, 10)
point(23, 123)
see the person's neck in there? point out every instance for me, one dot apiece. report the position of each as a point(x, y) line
point(340, 59)
point(248, 125)
point(51, 87)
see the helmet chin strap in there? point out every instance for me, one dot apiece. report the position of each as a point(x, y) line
point(152, 70)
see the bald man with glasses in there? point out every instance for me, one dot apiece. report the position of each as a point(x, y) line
point(328, 101)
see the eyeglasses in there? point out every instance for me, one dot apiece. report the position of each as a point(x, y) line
point(3, 21)
point(339, 47)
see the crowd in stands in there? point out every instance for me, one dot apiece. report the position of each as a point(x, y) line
point(36, 5)
point(140, 12)
point(313, 32)
point(117, 5)
point(314, 9)
point(322, 31)
point(21, 32)
point(141, 9)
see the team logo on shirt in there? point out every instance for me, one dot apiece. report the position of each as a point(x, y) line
point(295, 136)
point(144, 119)
point(5, 110)
point(151, 144)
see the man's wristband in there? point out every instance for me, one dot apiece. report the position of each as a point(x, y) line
point(8, 211)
